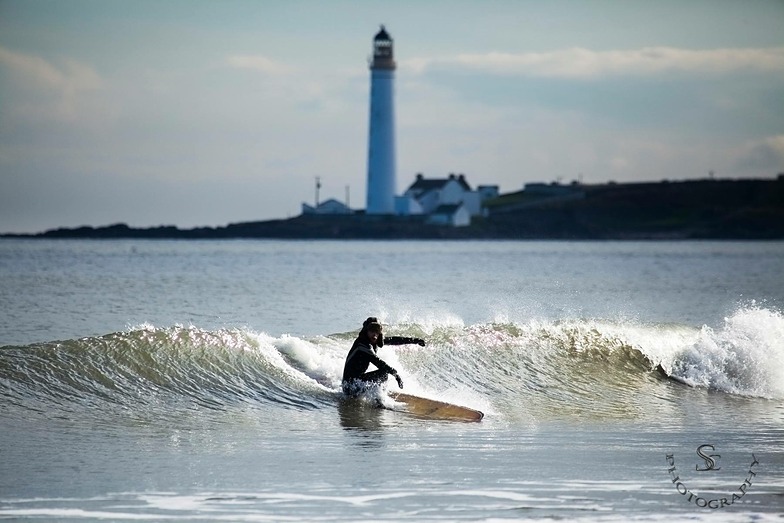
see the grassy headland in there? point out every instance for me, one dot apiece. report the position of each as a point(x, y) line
point(701, 209)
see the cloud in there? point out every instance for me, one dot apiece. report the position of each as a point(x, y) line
point(765, 156)
point(259, 63)
point(45, 90)
point(580, 63)
point(37, 72)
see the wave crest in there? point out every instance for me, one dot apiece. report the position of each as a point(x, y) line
point(537, 369)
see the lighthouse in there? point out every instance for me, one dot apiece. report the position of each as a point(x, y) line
point(381, 136)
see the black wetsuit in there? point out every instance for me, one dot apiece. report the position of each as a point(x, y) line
point(361, 355)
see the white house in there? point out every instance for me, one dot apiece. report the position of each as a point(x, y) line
point(426, 196)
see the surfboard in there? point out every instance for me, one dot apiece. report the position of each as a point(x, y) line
point(434, 409)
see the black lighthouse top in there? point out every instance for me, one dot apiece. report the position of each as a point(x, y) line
point(383, 57)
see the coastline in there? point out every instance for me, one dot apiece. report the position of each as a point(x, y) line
point(688, 210)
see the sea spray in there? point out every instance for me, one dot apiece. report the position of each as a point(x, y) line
point(745, 356)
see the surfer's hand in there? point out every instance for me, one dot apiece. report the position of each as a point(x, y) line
point(399, 381)
point(419, 341)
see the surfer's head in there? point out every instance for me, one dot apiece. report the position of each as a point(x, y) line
point(372, 329)
point(371, 325)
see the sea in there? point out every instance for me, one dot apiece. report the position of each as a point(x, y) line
point(191, 381)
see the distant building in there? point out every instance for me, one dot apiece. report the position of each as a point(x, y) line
point(444, 196)
point(487, 192)
point(455, 215)
point(330, 206)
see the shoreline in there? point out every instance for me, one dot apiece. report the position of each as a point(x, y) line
point(688, 210)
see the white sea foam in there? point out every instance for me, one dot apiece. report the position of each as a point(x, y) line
point(745, 356)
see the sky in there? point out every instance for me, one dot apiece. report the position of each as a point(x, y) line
point(204, 113)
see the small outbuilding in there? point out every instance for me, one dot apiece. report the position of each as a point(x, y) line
point(330, 206)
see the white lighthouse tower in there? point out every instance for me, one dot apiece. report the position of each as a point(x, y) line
point(381, 146)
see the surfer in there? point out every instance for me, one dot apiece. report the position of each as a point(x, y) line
point(363, 353)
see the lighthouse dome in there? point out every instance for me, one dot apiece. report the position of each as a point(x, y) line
point(382, 35)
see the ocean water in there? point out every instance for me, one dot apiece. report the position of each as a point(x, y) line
point(199, 381)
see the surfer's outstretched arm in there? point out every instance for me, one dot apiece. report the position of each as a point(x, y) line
point(399, 340)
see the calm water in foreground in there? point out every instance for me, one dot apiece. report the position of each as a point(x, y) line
point(199, 381)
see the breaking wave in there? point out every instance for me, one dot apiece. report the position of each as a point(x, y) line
point(599, 368)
